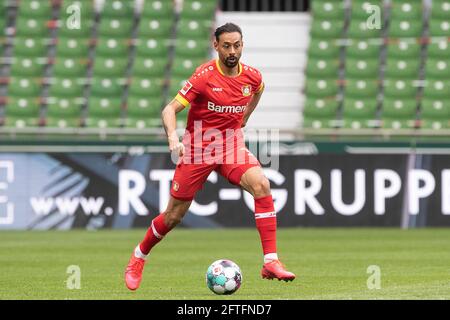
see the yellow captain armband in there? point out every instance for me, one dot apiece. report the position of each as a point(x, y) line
point(182, 100)
point(261, 88)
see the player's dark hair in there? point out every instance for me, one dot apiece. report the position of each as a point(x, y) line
point(226, 28)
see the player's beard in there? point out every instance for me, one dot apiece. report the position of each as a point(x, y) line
point(231, 62)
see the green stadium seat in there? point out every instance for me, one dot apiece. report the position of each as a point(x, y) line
point(83, 32)
point(85, 7)
point(118, 9)
point(155, 48)
point(145, 87)
point(30, 47)
point(115, 28)
point(24, 87)
point(106, 87)
point(111, 47)
point(399, 88)
point(176, 83)
point(361, 9)
point(66, 87)
point(103, 122)
point(110, 67)
point(361, 68)
point(31, 27)
point(63, 112)
point(104, 107)
point(27, 67)
point(195, 9)
point(327, 29)
point(404, 49)
point(160, 9)
point(323, 49)
point(440, 9)
point(437, 89)
point(359, 29)
point(363, 49)
point(361, 88)
point(439, 49)
point(359, 113)
point(143, 112)
point(320, 68)
point(194, 29)
point(402, 68)
point(320, 108)
point(35, 9)
point(440, 28)
point(405, 29)
point(22, 112)
point(155, 28)
point(437, 68)
point(184, 68)
point(436, 110)
point(407, 10)
point(149, 67)
point(327, 10)
point(72, 47)
point(69, 68)
point(399, 113)
point(321, 88)
point(192, 48)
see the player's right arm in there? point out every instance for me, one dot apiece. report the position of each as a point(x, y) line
point(170, 126)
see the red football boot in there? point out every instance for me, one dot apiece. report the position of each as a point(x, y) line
point(133, 272)
point(276, 270)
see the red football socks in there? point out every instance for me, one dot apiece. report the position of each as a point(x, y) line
point(155, 233)
point(266, 223)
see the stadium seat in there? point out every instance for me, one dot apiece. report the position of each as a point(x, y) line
point(69, 68)
point(402, 68)
point(22, 112)
point(437, 89)
point(440, 9)
point(359, 29)
point(327, 29)
point(184, 68)
point(66, 87)
point(363, 49)
point(109, 67)
point(361, 88)
point(106, 87)
point(149, 67)
point(192, 48)
point(111, 47)
point(323, 49)
point(399, 88)
point(115, 28)
point(320, 113)
point(35, 9)
point(440, 28)
point(143, 112)
point(31, 27)
point(194, 29)
point(155, 28)
point(435, 114)
point(176, 83)
point(405, 29)
point(359, 113)
point(29, 47)
point(160, 9)
point(84, 32)
point(103, 122)
point(145, 87)
point(155, 48)
point(118, 9)
point(439, 49)
point(437, 68)
point(26, 67)
point(85, 7)
point(196, 9)
point(321, 88)
point(361, 9)
point(72, 47)
point(324, 10)
point(24, 87)
point(319, 68)
point(361, 68)
point(104, 107)
point(407, 10)
point(404, 49)
point(63, 112)
point(399, 113)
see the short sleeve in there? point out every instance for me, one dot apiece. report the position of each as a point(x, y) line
point(259, 81)
point(191, 89)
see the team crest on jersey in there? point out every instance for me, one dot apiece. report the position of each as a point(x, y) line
point(246, 90)
point(176, 186)
point(186, 88)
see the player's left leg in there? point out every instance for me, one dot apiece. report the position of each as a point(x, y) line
point(250, 177)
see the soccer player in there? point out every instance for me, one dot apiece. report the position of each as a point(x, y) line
point(222, 94)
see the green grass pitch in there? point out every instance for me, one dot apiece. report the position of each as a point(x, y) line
point(329, 263)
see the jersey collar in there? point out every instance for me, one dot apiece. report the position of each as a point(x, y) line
point(221, 72)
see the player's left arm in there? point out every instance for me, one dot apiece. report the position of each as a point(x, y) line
point(252, 105)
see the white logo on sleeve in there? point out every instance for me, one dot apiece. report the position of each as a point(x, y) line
point(186, 88)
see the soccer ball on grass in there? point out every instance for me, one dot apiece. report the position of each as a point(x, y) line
point(223, 277)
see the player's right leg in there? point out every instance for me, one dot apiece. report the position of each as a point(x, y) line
point(160, 226)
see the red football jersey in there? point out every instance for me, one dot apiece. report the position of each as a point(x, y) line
point(218, 101)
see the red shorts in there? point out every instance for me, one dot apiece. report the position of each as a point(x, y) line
point(190, 177)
